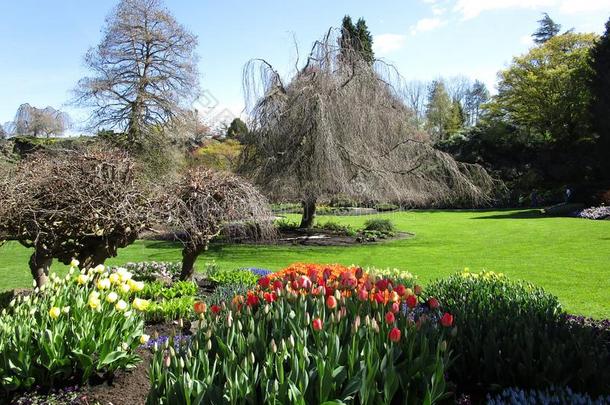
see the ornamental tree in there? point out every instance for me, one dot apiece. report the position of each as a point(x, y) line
point(339, 126)
point(199, 204)
point(73, 204)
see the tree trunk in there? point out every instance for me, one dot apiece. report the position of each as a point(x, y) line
point(39, 266)
point(93, 256)
point(309, 213)
point(189, 257)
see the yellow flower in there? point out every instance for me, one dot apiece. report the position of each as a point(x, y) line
point(112, 297)
point(54, 312)
point(140, 304)
point(144, 339)
point(125, 288)
point(82, 279)
point(121, 306)
point(99, 268)
point(135, 286)
point(114, 278)
point(74, 263)
point(94, 303)
point(65, 310)
point(103, 284)
point(124, 275)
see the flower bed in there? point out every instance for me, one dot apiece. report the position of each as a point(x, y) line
point(310, 334)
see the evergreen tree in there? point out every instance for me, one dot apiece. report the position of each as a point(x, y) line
point(457, 118)
point(438, 110)
point(237, 129)
point(600, 94)
point(547, 29)
point(356, 38)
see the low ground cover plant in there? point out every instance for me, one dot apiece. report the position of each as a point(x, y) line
point(602, 212)
point(151, 271)
point(519, 336)
point(310, 334)
point(86, 324)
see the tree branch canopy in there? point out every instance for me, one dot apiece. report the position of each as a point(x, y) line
point(144, 71)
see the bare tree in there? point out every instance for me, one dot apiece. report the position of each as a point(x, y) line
point(73, 204)
point(202, 202)
point(343, 128)
point(414, 93)
point(34, 121)
point(144, 70)
point(3, 133)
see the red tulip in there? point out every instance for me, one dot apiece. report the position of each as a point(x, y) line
point(269, 297)
point(200, 307)
point(278, 285)
point(400, 289)
point(252, 300)
point(363, 294)
point(395, 307)
point(382, 284)
point(215, 309)
point(447, 320)
point(411, 301)
point(433, 303)
point(264, 281)
point(331, 302)
point(317, 324)
point(394, 335)
point(379, 297)
point(389, 318)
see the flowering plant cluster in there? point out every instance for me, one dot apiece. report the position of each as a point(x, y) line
point(150, 271)
point(310, 334)
point(602, 212)
point(84, 323)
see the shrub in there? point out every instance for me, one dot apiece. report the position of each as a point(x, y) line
point(381, 225)
point(518, 335)
point(337, 228)
point(288, 342)
point(70, 329)
point(284, 224)
point(594, 213)
point(385, 207)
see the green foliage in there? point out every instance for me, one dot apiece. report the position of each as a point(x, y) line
point(237, 129)
point(336, 228)
point(356, 38)
point(226, 292)
point(219, 155)
point(600, 104)
point(226, 276)
point(382, 225)
point(67, 331)
point(284, 224)
point(180, 307)
point(547, 30)
point(384, 207)
point(545, 91)
point(159, 290)
point(274, 354)
point(439, 114)
point(517, 335)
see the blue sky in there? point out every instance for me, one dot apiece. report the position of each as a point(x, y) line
point(42, 43)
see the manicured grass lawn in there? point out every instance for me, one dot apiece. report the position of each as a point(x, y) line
point(569, 257)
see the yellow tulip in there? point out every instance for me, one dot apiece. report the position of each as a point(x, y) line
point(54, 312)
point(144, 339)
point(74, 263)
point(140, 304)
point(94, 303)
point(125, 288)
point(112, 297)
point(99, 268)
point(65, 310)
point(82, 279)
point(135, 286)
point(103, 284)
point(114, 278)
point(124, 275)
point(121, 306)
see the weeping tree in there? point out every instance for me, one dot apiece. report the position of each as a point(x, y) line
point(200, 204)
point(73, 204)
point(339, 125)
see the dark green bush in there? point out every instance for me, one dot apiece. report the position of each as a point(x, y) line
point(337, 228)
point(514, 334)
point(382, 225)
point(384, 207)
point(171, 309)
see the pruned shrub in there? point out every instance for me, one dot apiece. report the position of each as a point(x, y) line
point(382, 225)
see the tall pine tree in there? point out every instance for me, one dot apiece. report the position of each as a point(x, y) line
point(356, 38)
point(600, 92)
point(547, 30)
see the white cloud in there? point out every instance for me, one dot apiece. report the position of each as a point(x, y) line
point(387, 43)
point(438, 10)
point(582, 6)
point(472, 8)
point(426, 24)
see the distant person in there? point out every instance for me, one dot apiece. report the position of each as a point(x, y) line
point(568, 194)
point(534, 198)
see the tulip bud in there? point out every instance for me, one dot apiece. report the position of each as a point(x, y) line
point(252, 359)
point(375, 326)
point(273, 346)
point(209, 345)
point(180, 323)
point(167, 361)
point(291, 340)
point(443, 345)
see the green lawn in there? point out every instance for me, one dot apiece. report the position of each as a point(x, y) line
point(567, 256)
